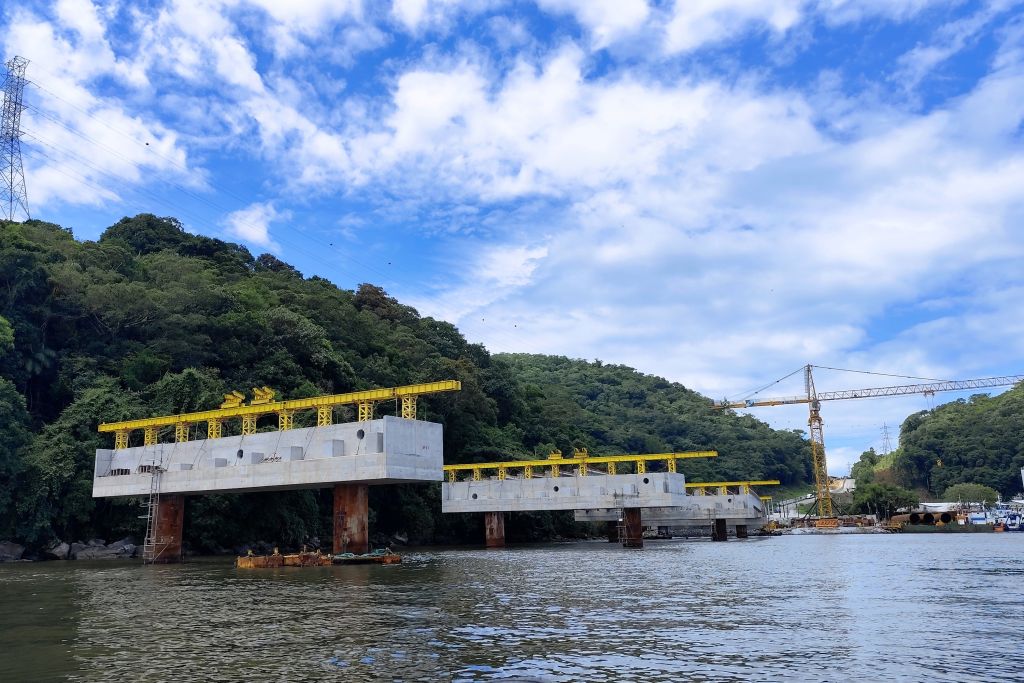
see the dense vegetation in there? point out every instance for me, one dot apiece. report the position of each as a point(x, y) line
point(151, 320)
point(969, 441)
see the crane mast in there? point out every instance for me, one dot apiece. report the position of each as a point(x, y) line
point(814, 422)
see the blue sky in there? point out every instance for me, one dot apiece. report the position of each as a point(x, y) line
point(714, 191)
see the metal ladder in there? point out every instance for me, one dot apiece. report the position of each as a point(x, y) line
point(153, 547)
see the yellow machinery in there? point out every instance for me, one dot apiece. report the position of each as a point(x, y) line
point(581, 462)
point(813, 399)
point(263, 403)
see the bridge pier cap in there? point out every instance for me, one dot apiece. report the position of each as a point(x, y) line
point(388, 450)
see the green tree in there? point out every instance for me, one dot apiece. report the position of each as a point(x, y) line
point(863, 470)
point(971, 493)
point(6, 336)
point(882, 499)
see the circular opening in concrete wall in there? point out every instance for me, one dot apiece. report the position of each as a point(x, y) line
point(360, 434)
point(556, 489)
point(239, 452)
point(646, 480)
point(474, 496)
point(730, 500)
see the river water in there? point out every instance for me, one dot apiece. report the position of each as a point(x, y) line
point(818, 608)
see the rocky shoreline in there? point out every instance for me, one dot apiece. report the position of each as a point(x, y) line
point(96, 549)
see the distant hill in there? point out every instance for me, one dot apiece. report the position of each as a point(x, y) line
point(152, 320)
point(979, 440)
point(615, 409)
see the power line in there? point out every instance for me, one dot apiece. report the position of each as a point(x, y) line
point(12, 186)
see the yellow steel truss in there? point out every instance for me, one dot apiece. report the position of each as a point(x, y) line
point(555, 462)
point(324, 416)
point(263, 403)
point(214, 429)
point(409, 407)
point(711, 488)
point(149, 436)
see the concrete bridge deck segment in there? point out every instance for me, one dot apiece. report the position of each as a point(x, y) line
point(627, 501)
point(383, 451)
point(695, 511)
point(651, 489)
point(348, 457)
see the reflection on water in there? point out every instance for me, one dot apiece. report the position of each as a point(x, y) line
point(941, 608)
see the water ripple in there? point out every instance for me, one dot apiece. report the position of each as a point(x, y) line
point(899, 608)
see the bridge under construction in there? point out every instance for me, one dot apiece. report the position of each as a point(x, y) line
point(593, 487)
point(349, 457)
point(223, 451)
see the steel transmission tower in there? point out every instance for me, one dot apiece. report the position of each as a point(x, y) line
point(12, 186)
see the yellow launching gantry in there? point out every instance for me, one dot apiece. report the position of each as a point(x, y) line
point(263, 403)
point(581, 462)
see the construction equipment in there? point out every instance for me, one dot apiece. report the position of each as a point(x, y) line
point(263, 403)
point(152, 546)
point(813, 399)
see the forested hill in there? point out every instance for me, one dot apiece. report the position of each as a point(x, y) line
point(978, 440)
point(152, 320)
point(615, 409)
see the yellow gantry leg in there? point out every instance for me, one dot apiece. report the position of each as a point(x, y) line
point(121, 439)
point(409, 407)
point(582, 469)
point(554, 470)
point(451, 476)
point(324, 416)
point(528, 472)
point(248, 424)
point(671, 464)
point(365, 411)
point(477, 474)
point(285, 419)
point(502, 473)
point(611, 468)
point(214, 429)
point(181, 432)
point(641, 467)
point(149, 436)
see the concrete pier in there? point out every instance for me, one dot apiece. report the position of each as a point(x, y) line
point(634, 536)
point(494, 529)
point(720, 530)
point(612, 529)
point(741, 531)
point(351, 518)
point(170, 519)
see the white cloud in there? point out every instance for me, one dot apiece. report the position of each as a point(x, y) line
point(607, 20)
point(948, 40)
point(252, 224)
point(695, 23)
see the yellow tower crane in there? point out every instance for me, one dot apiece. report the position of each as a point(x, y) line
point(813, 399)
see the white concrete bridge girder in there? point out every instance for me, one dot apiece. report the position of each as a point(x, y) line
point(387, 450)
point(648, 490)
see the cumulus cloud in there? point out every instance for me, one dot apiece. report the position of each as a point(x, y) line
point(252, 224)
point(716, 230)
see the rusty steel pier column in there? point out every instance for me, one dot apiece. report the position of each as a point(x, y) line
point(494, 529)
point(720, 531)
point(634, 528)
point(170, 518)
point(351, 518)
